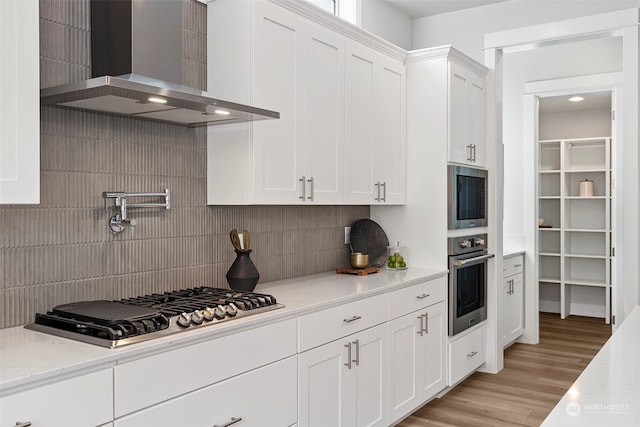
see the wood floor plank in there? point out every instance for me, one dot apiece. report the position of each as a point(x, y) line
point(534, 379)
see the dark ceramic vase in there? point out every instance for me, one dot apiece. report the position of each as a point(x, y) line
point(243, 274)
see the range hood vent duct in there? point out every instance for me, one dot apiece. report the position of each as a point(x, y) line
point(136, 59)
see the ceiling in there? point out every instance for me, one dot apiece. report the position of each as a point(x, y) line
point(592, 101)
point(421, 8)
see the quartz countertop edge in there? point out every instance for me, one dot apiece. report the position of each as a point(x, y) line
point(510, 253)
point(607, 392)
point(28, 357)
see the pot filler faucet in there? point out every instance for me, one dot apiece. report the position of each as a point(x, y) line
point(119, 221)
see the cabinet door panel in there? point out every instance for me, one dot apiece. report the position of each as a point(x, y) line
point(458, 145)
point(514, 309)
point(389, 131)
point(359, 84)
point(431, 348)
point(19, 102)
point(264, 397)
point(324, 115)
point(371, 373)
point(475, 118)
point(403, 362)
point(324, 385)
point(278, 56)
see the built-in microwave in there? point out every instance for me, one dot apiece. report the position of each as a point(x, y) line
point(467, 193)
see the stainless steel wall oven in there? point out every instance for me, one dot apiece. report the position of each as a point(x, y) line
point(468, 260)
point(467, 193)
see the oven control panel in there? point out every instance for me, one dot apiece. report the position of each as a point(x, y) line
point(464, 244)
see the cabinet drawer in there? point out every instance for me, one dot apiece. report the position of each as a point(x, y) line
point(265, 397)
point(145, 382)
point(415, 297)
point(82, 401)
point(511, 266)
point(327, 325)
point(466, 354)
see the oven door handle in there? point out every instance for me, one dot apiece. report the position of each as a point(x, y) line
point(462, 262)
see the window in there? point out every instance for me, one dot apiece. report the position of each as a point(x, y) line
point(345, 9)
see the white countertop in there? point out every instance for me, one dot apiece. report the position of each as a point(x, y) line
point(29, 356)
point(510, 253)
point(607, 393)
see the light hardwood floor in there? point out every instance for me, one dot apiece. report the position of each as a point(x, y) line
point(533, 380)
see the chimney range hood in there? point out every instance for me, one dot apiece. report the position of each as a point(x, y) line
point(136, 57)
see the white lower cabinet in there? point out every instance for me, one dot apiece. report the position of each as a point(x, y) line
point(467, 351)
point(417, 364)
point(264, 397)
point(513, 300)
point(344, 383)
point(82, 401)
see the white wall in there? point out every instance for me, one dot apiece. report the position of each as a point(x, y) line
point(575, 124)
point(553, 62)
point(384, 20)
point(465, 29)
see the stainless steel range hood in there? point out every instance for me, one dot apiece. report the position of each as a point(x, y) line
point(136, 56)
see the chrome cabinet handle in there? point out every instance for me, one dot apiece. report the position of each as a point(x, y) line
point(426, 323)
point(233, 421)
point(348, 364)
point(303, 180)
point(377, 184)
point(473, 146)
point(23, 423)
point(473, 353)
point(357, 359)
point(310, 181)
point(518, 265)
point(470, 156)
point(423, 296)
point(384, 194)
point(353, 319)
point(421, 330)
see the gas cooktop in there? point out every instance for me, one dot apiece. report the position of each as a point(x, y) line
point(117, 323)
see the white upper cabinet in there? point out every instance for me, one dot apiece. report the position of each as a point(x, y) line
point(278, 76)
point(324, 116)
point(466, 111)
point(301, 69)
point(19, 102)
point(375, 114)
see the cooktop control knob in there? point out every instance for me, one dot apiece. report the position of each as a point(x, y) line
point(465, 243)
point(184, 320)
point(207, 313)
point(232, 310)
point(479, 242)
point(197, 318)
point(219, 312)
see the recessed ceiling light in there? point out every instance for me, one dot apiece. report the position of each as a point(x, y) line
point(222, 112)
point(157, 100)
point(576, 99)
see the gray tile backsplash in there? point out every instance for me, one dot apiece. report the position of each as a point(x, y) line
point(61, 251)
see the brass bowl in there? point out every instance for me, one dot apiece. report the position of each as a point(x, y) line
point(359, 260)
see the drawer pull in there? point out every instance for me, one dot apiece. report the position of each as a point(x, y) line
point(233, 421)
point(518, 265)
point(348, 364)
point(473, 353)
point(23, 423)
point(353, 319)
point(423, 296)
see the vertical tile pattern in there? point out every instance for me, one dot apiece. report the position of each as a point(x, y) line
point(60, 251)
